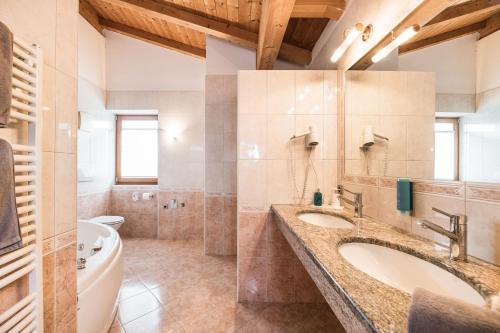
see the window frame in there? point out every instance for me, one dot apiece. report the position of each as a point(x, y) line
point(456, 130)
point(119, 180)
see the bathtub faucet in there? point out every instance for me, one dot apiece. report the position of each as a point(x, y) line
point(80, 263)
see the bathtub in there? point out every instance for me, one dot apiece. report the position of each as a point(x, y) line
point(99, 282)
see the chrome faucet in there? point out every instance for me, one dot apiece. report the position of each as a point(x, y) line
point(357, 203)
point(80, 263)
point(457, 233)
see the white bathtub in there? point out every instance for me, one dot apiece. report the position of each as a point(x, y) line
point(99, 283)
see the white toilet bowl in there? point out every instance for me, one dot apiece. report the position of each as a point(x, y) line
point(113, 221)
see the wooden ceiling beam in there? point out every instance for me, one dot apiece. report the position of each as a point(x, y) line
point(440, 38)
point(462, 9)
point(331, 9)
point(492, 25)
point(274, 18)
point(421, 15)
point(152, 38)
point(88, 12)
point(224, 30)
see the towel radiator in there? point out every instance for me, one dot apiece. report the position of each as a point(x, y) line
point(24, 134)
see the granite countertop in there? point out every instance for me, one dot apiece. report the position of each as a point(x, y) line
point(383, 307)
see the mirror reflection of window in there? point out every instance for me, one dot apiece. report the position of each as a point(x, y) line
point(446, 149)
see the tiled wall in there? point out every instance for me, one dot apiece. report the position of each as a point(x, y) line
point(400, 106)
point(90, 205)
point(53, 25)
point(272, 106)
point(150, 218)
point(220, 164)
point(480, 202)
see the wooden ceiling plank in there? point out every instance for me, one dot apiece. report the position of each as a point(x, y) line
point(462, 9)
point(232, 11)
point(440, 38)
point(152, 38)
point(275, 15)
point(421, 15)
point(221, 9)
point(255, 15)
point(492, 25)
point(224, 30)
point(244, 8)
point(88, 12)
point(331, 9)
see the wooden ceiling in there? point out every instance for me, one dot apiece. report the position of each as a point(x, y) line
point(275, 28)
point(482, 16)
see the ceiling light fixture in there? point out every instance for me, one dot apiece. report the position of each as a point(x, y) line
point(348, 40)
point(405, 36)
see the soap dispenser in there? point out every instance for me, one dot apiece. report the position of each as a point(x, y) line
point(318, 198)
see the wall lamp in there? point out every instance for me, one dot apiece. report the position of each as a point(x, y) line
point(403, 37)
point(349, 38)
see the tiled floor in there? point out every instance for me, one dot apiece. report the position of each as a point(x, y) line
point(173, 287)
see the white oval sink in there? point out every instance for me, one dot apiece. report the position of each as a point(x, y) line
point(406, 272)
point(325, 220)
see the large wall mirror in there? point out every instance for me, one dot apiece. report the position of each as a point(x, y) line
point(427, 113)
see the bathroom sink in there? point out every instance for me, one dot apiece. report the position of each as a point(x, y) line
point(324, 220)
point(406, 272)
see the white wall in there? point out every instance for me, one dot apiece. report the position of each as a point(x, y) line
point(480, 132)
point(181, 115)
point(133, 65)
point(454, 63)
point(224, 58)
point(96, 141)
point(382, 14)
point(488, 65)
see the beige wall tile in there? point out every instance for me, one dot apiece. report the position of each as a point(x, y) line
point(420, 138)
point(214, 177)
point(281, 92)
point(393, 93)
point(65, 287)
point(280, 184)
point(366, 84)
point(330, 137)
point(65, 192)
point(49, 266)
point(252, 184)
point(48, 203)
point(229, 178)
point(214, 88)
point(422, 209)
point(252, 92)
point(66, 37)
point(330, 94)
point(279, 130)
point(422, 88)
point(484, 231)
point(48, 108)
point(66, 113)
point(388, 212)
point(252, 136)
point(309, 92)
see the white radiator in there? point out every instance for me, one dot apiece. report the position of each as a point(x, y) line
point(27, 314)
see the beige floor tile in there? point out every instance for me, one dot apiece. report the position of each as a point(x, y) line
point(174, 287)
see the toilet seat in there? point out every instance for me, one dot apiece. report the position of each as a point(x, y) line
point(109, 220)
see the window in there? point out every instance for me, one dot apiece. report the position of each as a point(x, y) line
point(137, 149)
point(446, 149)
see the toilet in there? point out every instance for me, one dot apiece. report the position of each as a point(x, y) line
point(114, 222)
